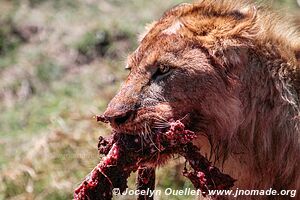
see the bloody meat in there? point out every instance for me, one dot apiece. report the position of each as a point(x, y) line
point(125, 153)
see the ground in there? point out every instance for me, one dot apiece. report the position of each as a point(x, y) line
point(60, 64)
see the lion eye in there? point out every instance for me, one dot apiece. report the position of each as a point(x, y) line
point(161, 72)
point(164, 69)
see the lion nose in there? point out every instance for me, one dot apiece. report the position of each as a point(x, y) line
point(118, 118)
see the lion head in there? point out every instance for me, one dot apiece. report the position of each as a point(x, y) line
point(173, 76)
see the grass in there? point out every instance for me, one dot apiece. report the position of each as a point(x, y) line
point(9, 44)
point(52, 85)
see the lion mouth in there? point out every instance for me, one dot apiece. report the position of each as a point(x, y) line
point(149, 124)
point(143, 126)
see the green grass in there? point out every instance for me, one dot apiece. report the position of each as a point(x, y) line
point(9, 44)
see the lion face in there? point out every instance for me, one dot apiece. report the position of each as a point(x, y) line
point(170, 78)
point(174, 75)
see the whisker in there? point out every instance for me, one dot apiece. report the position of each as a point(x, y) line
point(150, 138)
point(141, 138)
point(149, 129)
point(187, 115)
point(154, 144)
point(162, 126)
point(145, 129)
point(161, 119)
point(158, 123)
point(144, 137)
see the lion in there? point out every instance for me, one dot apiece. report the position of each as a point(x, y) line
point(230, 70)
